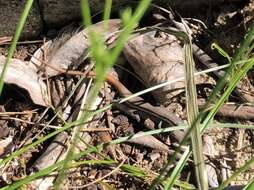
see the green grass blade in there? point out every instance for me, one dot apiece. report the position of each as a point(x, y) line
point(107, 9)
point(237, 76)
point(15, 39)
point(86, 15)
point(129, 27)
point(104, 60)
point(239, 56)
point(43, 172)
point(59, 164)
point(228, 91)
point(243, 168)
point(169, 183)
point(250, 185)
point(193, 121)
point(221, 51)
point(231, 125)
point(39, 141)
point(242, 52)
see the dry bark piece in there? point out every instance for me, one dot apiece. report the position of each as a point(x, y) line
point(52, 153)
point(55, 151)
point(70, 51)
point(25, 76)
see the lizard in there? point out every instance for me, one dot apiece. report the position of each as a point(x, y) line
point(157, 59)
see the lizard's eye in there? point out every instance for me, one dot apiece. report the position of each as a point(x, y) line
point(157, 34)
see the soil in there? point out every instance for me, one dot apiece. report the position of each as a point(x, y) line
point(226, 24)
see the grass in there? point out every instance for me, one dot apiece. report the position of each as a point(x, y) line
point(238, 74)
point(15, 39)
point(239, 65)
point(57, 166)
point(104, 60)
point(192, 115)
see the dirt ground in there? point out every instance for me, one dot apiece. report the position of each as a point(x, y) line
point(22, 121)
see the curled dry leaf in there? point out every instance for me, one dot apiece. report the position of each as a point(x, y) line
point(70, 51)
point(157, 59)
point(25, 76)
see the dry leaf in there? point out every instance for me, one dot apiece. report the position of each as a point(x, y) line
point(68, 52)
point(157, 59)
point(25, 76)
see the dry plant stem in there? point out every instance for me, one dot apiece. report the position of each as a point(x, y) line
point(85, 136)
point(95, 129)
point(105, 137)
point(16, 113)
point(23, 42)
point(240, 141)
point(31, 123)
point(192, 115)
point(4, 40)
